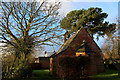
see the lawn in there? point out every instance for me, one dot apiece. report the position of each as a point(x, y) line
point(44, 75)
point(40, 75)
point(107, 75)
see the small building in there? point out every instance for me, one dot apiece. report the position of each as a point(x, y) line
point(82, 44)
point(43, 62)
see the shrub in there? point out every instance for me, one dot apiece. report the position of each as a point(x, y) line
point(25, 72)
point(15, 67)
point(71, 68)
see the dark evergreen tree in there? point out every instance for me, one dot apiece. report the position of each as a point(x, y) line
point(92, 19)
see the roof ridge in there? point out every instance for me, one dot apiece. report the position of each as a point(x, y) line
point(71, 39)
point(67, 42)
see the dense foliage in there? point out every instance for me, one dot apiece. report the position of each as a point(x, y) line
point(14, 67)
point(110, 50)
point(92, 19)
point(71, 68)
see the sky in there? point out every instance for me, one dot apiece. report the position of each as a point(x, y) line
point(111, 8)
point(108, 6)
point(64, 0)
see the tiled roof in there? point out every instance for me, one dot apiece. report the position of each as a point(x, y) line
point(66, 44)
point(49, 54)
point(69, 41)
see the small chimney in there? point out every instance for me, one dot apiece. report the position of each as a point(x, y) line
point(45, 54)
point(66, 36)
point(54, 51)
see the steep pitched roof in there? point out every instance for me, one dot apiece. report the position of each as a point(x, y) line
point(70, 40)
point(66, 44)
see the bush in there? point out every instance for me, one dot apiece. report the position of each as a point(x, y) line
point(109, 65)
point(71, 68)
point(25, 72)
point(15, 67)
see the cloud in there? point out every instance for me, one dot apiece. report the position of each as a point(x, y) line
point(93, 0)
point(66, 7)
point(85, 0)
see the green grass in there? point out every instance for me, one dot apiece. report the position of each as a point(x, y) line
point(41, 75)
point(44, 75)
point(107, 75)
point(38, 75)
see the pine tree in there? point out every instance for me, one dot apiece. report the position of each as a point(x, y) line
point(92, 19)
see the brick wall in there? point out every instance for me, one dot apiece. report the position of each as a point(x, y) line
point(45, 62)
point(42, 63)
point(96, 64)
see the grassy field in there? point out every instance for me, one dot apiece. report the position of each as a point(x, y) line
point(44, 75)
point(40, 75)
point(107, 75)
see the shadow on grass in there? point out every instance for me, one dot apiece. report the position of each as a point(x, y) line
point(107, 75)
point(37, 75)
point(41, 75)
point(44, 75)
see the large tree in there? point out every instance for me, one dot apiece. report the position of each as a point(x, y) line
point(25, 25)
point(110, 49)
point(92, 19)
